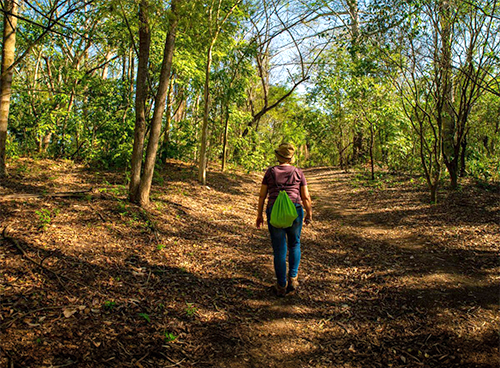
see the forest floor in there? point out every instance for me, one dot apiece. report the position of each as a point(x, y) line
point(387, 279)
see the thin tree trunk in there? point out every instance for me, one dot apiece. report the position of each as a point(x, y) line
point(131, 72)
point(353, 10)
point(65, 122)
point(180, 114)
point(357, 145)
point(35, 85)
point(340, 149)
point(168, 119)
point(8, 54)
point(452, 167)
point(45, 140)
point(130, 67)
point(105, 69)
point(448, 115)
point(140, 102)
point(463, 171)
point(372, 165)
point(434, 193)
point(202, 169)
point(224, 140)
point(341, 155)
point(124, 68)
point(195, 112)
point(160, 100)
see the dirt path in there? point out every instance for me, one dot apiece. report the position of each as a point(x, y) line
point(387, 279)
point(383, 287)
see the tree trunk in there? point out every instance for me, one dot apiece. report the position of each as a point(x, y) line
point(340, 149)
point(130, 73)
point(448, 115)
point(372, 139)
point(124, 68)
point(180, 114)
point(354, 25)
point(140, 101)
point(353, 11)
point(453, 171)
point(160, 101)
point(202, 169)
point(214, 33)
point(432, 170)
point(357, 146)
point(341, 156)
point(433, 189)
point(65, 122)
point(8, 53)
point(168, 120)
point(195, 111)
point(463, 172)
point(35, 86)
point(45, 142)
point(105, 69)
point(224, 140)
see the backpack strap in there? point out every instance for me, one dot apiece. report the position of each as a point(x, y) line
point(282, 186)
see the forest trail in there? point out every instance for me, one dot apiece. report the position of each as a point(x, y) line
point(387, 280)
point(380, 289)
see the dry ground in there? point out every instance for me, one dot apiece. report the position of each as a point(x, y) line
point(388, 280)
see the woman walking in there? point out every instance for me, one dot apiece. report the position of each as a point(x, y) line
point(286, 177)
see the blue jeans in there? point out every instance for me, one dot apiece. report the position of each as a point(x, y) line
point(279, 241)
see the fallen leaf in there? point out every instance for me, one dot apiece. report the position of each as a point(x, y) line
point(69, 312)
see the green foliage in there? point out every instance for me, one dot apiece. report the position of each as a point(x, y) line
point(191, 310)
point(363, 179)
point(109, 305)
point(251, 153)
point(484, 168)
point(183, 140)
point(401, 155)
point(169, 336)
point(13, 149)
point(45, 217)
point(75, 99)
point(145, 316)
point(483, 140)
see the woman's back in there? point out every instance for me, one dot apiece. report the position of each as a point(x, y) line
point(284, 177)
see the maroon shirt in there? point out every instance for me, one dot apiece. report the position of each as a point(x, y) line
point(282, 173)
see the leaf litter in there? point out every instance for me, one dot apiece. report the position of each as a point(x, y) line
point(387, 280)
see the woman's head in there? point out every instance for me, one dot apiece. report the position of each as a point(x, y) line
point(284, 153)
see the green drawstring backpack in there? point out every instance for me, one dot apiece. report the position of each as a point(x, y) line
point(284, 212)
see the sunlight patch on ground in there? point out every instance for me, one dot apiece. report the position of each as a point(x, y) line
point(283, 337)
point(442, 278)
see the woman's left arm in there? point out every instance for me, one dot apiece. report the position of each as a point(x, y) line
point(260, 208)
point(306, 201)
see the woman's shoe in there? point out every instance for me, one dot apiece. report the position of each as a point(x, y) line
point(280, 290)
point(293, 284)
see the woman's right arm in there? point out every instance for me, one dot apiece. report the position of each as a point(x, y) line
point(260, 208)
point(306, 201)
